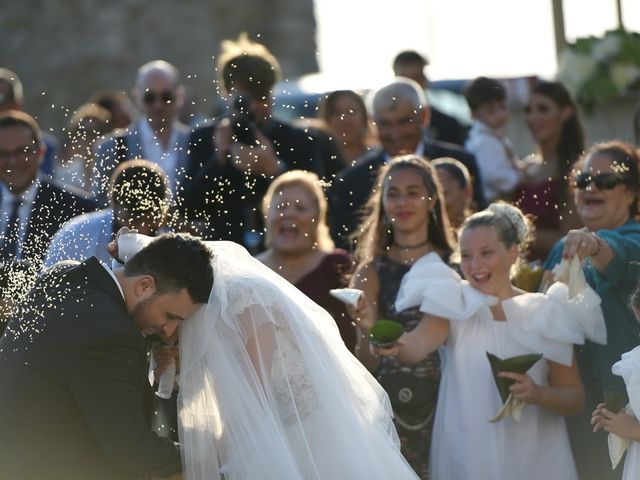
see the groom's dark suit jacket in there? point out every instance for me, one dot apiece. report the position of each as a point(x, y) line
point(72, 373)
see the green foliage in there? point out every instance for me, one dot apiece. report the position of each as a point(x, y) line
point(598, 70)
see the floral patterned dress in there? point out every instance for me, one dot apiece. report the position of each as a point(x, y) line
point(414, 429)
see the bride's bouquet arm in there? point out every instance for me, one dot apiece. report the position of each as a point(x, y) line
point(416, 345)
point(260, 344)
point(563, 396)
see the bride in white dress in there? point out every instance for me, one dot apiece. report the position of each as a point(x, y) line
point(268, 389)
point(487, 314)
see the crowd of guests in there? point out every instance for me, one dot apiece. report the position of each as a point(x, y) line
point(378, 194)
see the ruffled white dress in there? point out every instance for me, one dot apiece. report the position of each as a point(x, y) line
point(629, 369)
point(465, 444)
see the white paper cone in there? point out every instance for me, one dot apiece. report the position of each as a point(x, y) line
point(349, 296)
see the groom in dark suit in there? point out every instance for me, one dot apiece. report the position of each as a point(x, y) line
point(73, 364)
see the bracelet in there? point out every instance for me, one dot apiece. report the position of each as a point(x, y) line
point(598, 242)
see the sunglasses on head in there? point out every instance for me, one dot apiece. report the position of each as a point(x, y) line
point(602, 181)
point(150, 97)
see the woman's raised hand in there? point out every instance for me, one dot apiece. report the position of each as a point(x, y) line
point(581, 243)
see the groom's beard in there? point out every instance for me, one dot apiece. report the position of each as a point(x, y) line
point(139, 314)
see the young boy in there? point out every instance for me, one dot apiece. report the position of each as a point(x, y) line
point(499, 166)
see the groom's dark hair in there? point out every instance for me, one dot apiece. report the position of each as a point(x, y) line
point(176, 261)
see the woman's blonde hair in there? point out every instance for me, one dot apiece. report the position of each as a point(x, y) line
point(312, 184)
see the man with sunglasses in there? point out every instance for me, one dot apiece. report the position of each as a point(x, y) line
point(157, 136)
point(32, 206)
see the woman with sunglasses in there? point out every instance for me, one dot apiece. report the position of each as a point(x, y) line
point(606, 197)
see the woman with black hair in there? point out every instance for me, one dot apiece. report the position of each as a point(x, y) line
point(552, 119)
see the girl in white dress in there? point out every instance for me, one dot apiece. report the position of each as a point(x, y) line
point(484, 314)
point(625, 423)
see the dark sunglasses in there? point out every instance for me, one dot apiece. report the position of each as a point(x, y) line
point(602, 181)
point(150, 97)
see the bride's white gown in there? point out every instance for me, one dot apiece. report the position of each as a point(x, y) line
point(269, 391)
point(465, 445)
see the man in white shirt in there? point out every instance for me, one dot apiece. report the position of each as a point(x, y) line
point(158, 136)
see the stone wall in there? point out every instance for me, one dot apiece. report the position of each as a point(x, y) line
point(65, 50)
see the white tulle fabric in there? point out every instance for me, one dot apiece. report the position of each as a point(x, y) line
point(269, 391)
point(464, 444)
point(549, 323)
point(629, 369)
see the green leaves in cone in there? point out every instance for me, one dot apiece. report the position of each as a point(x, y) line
point(614, 401)
point(384, 333)
point(520, 364)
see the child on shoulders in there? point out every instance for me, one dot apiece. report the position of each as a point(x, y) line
point(499, 166)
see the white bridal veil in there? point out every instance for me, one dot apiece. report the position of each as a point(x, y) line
point(269, 391)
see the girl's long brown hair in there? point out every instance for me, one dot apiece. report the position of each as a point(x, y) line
point(374, 237)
